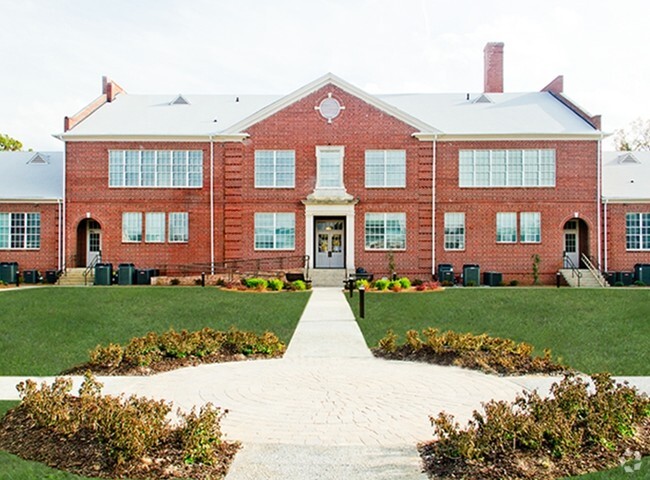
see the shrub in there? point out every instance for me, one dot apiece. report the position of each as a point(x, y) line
point(382, 284)
point(275, 284)
point(143, 351)
point(298, 285)
point(110, 356)
point(428, 286)
point(405, 282)
point(514, 283)
point(200, 434)
point(639, 283)
point(389, 342)
point(363, 283)
point(417, 282)
point(395, 286)
point(174, 281)
point(256, 283)
point(470, 283)
point(619, 284)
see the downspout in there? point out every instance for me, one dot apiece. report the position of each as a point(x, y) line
point(59, 201)
point(212, 205)
point(433, 206)
point(63, 261)
point(606, 269)
point(599, 201)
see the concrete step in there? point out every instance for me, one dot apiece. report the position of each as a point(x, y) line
point(74, 277)
point(587, 279)
point(328, 277)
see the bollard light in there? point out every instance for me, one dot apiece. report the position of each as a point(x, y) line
point(362, 301)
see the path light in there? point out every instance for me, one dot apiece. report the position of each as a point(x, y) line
point(362, 301)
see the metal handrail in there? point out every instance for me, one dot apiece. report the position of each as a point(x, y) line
point(93, 263)
point(575, 271)
point(594, 271)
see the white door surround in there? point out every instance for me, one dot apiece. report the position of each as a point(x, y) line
point(343, 209)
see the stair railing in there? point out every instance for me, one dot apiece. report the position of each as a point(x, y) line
point(575, 271)
point(594, 271)
point(93, 263)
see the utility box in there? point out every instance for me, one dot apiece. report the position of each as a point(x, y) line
point(445, 272)
point(32, 276)
point(103, 273)
point(626, 278)
point(471, 275)
point(51, 277)
point(642, 273)
point(9, 272)
point(144, 275)
point(493, 279)
point(126, 274)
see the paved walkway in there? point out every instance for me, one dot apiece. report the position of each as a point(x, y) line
point(328, 409)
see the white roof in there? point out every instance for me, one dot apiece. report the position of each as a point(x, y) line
point(626, 176)
point(537, 113)
point(31, 176)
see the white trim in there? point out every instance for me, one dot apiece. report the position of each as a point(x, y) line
point(321, 210)
point(519, 137)
point(434, 145)
point(47, 201)
point(599, 187)
point(234, 137)
point(334, 148)
point(605, 267)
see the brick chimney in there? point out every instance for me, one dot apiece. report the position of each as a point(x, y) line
point(493, 68)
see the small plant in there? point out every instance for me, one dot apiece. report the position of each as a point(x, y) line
point(275, 284)
point(382, 284)
point(259, 284)
point(513, 283)
point(447, 283)
point(470, 283)
point(395, 286)
point(417, 282)
point(363, 283)
point(298, 285)
point(389, 342)
point(405, 283)
point(200, 434)
point(110, 356)
point(536, 261)
point(639, 283)
point(175, 281)
point(619, 284)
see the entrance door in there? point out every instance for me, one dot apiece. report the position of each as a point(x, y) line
point(572, 243)
point(94, 243)
point(330, 250)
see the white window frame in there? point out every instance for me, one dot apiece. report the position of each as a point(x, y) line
point(385, 217)
point(642, 236)
point(28, 233)
point(527, 222)
point(386, 177)
point(274, 226)
point(154, 227)
point(179, 225)
point(319, 154)
point(180, 166)
point(274, 183)
point(515, 166)
point(506, 221)
point(131, 222)
point(454, 241)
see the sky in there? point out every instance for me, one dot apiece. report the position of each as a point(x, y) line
point(55, 52)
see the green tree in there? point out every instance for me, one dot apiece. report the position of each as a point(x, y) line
point(9, 144)
point(635, 137)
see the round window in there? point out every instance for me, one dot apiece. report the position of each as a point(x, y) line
point(329, 108)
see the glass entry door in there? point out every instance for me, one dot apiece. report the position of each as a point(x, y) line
point(330, 241)
point(94, 243)
point(572, 244)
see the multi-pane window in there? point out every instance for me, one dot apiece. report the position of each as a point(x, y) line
point(637, 231)
point(506, 227)
point(154, 227)
point(385, 231)
point(530, 227)
point(506, 168)
point(178, 227)
point(330, 168)
point(275, 231)
point(275, 168)
point(20, 231)
point(385, 168)
point(155, 168)
point(132, 227)
point(454, 231)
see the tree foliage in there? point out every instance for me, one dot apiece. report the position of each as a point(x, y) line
point(9, 144)
point(635, 137)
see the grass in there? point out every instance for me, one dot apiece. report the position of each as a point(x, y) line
point(47, 330)
point(591, 330)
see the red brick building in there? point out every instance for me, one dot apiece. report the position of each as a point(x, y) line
point(330, 171)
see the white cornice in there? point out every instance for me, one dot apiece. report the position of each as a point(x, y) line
point(429, 137)
point(230, 137)
point(625, 200)
point(52, 201)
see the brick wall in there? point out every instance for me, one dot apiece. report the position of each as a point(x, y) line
point(46, 257)
point(619, 259)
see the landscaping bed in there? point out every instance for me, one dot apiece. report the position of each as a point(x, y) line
point(575, 431)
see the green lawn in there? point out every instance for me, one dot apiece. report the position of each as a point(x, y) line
point(592, 330)
point(47, 330)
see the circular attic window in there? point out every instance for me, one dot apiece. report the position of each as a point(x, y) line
point(329, 108)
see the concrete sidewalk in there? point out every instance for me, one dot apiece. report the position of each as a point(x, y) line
point(328, 409)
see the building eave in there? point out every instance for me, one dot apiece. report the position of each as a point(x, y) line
point(468, 137)
point(217, 137)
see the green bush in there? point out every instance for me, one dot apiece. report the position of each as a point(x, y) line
point(639, 283)
point(363, 283)
point(200, 434)
point(256, 283)
point(395, 285)
point(514, 283)
point(382, 284)
point(298, 285)
point(275, 284)
point(405, 282)
point(110, 356)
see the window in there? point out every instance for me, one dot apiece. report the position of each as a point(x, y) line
point(385, 231)
point(637, 231)
point(178, 227)
point(131, 227)
point(155, 168)
point(454, 231)
point(506, 227)
point(506, 168)
point(20, 231)
point(275, 168)
point(154, 227)
point(330, 167)
point(385, 168)
point(275, 231)
point(530, 227)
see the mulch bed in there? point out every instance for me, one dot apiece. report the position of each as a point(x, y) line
point(164, 365)
point(82, 454)
point(522, 466)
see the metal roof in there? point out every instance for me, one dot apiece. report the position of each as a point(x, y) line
point(626, 176)
point(31, 176)
point(516, 114)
